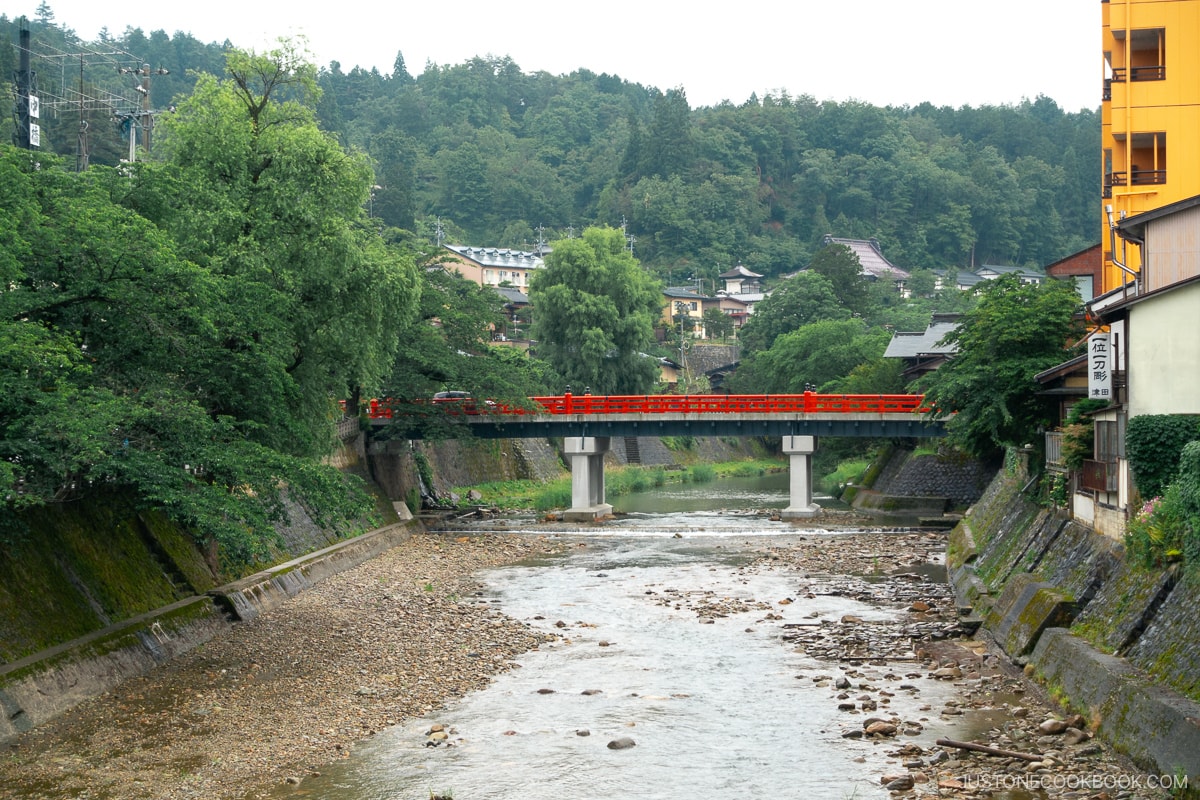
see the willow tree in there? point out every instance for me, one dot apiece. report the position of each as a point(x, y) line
point(311, 299)
point(594, 311)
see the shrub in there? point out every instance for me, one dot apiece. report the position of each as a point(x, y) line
point(1188, 485)
point(1078, 443)
point(1155, 535)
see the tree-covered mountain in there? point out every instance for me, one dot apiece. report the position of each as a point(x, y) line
point(504, 157)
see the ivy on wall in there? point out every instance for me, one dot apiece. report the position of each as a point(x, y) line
point(1153, 444)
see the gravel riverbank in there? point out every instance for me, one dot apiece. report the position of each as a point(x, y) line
point(277, 699)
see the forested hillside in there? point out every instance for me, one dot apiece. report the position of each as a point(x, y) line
point(181, 330)
point(503, 157)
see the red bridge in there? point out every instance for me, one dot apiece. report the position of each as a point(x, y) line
point(668, 404)
point(587, 424)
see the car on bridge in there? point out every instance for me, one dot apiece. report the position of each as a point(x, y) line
point(462, 402)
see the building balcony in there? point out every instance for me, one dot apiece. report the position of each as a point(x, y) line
point(1136, 177)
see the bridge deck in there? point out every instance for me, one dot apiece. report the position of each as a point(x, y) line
point(807, 414)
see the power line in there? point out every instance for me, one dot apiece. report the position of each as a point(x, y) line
point(57, 96)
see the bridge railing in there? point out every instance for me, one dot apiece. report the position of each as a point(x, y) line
point(571, 404)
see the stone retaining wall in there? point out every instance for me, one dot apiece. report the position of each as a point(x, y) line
point(1119, 644)
point(959, 480)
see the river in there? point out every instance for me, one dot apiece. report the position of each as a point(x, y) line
point(674, 638)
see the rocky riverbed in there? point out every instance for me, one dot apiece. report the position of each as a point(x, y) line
point(278, 699)
point(1017, 743)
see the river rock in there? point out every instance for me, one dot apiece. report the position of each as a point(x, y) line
point(1075, 736)
point(897, 783)
point(624, 743)
point(880, 729)
point(1052, 726)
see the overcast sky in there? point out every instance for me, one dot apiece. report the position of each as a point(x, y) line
point(957, 52)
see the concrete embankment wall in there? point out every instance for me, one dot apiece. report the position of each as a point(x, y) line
point(41, 686)
point(1112, 641)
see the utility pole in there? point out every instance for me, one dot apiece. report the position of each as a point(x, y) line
point(55, 96)
point(28, 108)
point(145, 117)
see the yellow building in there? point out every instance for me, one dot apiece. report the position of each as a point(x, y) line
point(1150, 115)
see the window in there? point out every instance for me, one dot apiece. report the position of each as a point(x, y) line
point(1110, 440)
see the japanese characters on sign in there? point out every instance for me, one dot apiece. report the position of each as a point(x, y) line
point(1099, 367)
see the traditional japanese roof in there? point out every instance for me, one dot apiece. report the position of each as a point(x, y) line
point(962, 278)
point(513, 295)
point(870, 257)
point(916, 344)
point(997, 270)
point(682, 293)
point(739, 272)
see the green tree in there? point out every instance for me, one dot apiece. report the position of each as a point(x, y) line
point(107, 341)
point(1014, 332)
point(922, 283)
point(838, 264)
point(812, 357)
point(805, 298)
point(594, 314)
point(717, 323)
point(309, 297)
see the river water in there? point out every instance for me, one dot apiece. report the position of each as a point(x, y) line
point(669, 641)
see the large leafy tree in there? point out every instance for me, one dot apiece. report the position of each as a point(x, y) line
point(1014, 332)
point(838, 264)
point(594, 314)
point(811, 357)
point(310, 300)
point(106, 337)
point(180, 331)
point(806, 298)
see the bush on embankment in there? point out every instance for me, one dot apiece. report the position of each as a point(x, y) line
point(1166, 528)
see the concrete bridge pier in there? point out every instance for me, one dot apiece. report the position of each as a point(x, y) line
point(587, 478)
point(800, 450)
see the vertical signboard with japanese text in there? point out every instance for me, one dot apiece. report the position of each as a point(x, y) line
point(35, 130)
point(1099, 367)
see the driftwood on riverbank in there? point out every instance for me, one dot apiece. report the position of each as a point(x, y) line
point(991, 751)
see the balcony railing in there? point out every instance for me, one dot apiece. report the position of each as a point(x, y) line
point(1140, 177)
point(1054, 457)
point(1099, 476)
point(1157, 72)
